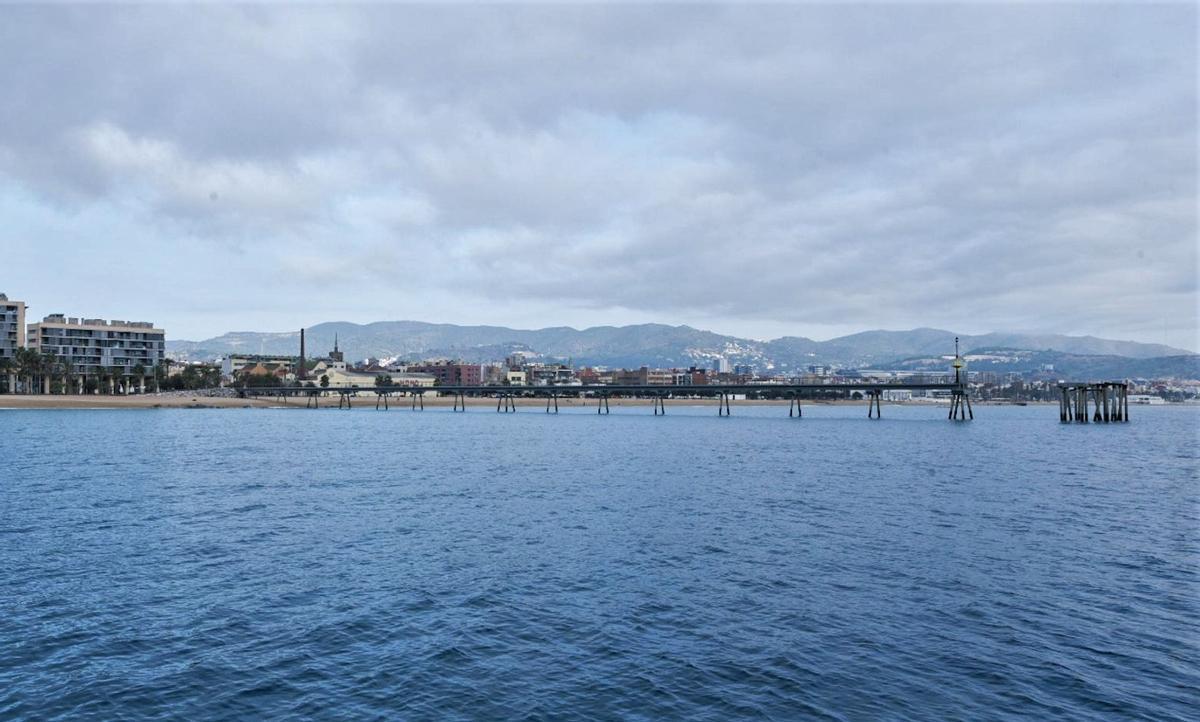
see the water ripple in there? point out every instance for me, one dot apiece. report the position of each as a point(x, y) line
point(362, 565)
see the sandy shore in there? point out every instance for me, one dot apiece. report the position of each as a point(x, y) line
point(150, 401)
point(172, 401)
point(175, 401)
point(146, 401)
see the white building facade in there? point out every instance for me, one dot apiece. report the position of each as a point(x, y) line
point(12, 327)
point(99, 349)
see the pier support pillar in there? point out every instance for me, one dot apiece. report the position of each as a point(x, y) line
point(602, 404)
point(960, 407)
point(723, 405)
point(874, 408)
point(553, 397)
point(660, 406)
point(794, 408)
point(460, 402)
point(1111, 399)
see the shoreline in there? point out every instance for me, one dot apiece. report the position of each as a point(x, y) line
point(139, 401)
point(177, 401)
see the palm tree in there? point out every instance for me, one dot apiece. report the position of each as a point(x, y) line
point(161, 371)
point(118, 375)
point(139, 372)
point(6, 372)
point(27, 365)
point(51, 371)
point(68, 372)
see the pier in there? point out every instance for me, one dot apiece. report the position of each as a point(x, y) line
point(1109, 399)
point(724, 394)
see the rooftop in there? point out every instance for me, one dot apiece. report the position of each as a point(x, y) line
point(59, 318)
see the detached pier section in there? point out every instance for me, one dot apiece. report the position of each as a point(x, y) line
point(1107, 401)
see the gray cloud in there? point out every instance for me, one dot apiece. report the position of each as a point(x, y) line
point(1007, 167)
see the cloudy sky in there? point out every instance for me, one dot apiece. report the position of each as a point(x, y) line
point(759, 171)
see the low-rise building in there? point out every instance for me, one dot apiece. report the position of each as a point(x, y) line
point(339, 376)
point(261, 369)
point(549, 374)
point(645, 377)
point(692, 377)
point(234, 363)
point(451, 373)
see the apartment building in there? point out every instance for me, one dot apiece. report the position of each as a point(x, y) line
point(451, 373)
point(549, 374)
point(645, 377)
point(95, 347)
point(12, 327)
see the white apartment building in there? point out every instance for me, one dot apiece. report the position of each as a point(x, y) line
point(12, 327)
point(95, 347)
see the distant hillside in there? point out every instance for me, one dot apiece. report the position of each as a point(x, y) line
point(1063, 365)
point(646, 344)
point(654, 344)
point(870, 348)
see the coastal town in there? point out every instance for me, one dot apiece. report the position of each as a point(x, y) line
point(79, 355)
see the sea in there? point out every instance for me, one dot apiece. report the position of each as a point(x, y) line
point(293, 564)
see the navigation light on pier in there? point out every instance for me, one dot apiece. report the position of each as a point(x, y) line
point(959, 364)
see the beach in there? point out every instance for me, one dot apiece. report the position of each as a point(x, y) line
point(138, 401)
point(175, 400)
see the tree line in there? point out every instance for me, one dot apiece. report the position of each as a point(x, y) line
point(30, 371)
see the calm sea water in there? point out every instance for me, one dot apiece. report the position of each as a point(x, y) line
point(291, 564)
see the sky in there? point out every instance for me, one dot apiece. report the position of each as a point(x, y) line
point(754, 170)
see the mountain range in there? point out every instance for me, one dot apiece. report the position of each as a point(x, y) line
point(659, 345)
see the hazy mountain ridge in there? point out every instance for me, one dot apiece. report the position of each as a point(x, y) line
point(653, 345)
point(1078, 366)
